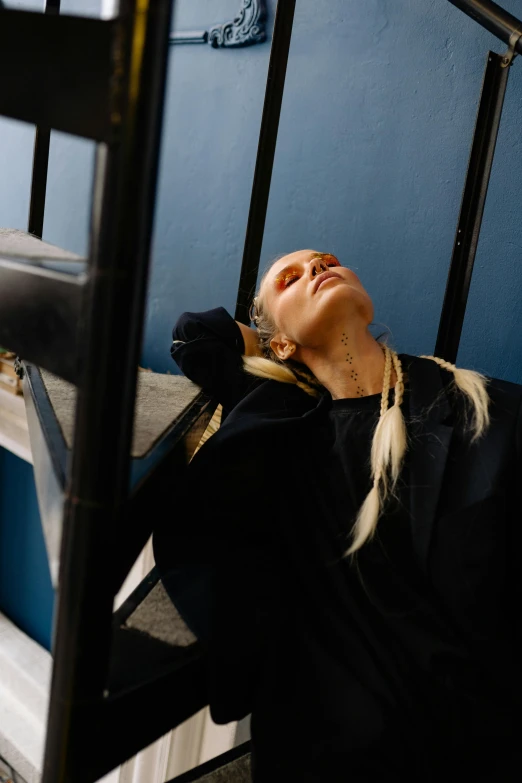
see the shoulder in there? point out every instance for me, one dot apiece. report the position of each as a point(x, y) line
point(270, 422)
point(216, 323)
point(427, 379)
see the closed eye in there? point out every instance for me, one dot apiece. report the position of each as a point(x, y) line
point(286, 279)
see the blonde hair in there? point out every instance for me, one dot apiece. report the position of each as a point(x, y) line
point(390, 442)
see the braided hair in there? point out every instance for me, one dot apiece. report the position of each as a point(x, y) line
point(389, 443)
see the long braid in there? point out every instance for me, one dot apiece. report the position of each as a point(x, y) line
point(277, 371)
point(474, 386)
point(386, 379)
point(399, 441)
point(387, 454)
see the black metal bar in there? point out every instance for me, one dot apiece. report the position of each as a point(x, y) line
point(112, 322)
point(131, 603)
point(57, 72)
point(265, 157)
point(141, 714)
point(492, 17)
point(147, 677)
point(50, 427)
point(42, 141)
point(39, 315)
point(472, 207)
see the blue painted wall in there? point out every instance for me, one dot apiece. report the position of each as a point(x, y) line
point(376, 126)
point(379, 109)
point(26, 593)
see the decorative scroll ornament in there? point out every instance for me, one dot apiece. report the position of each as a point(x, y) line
point(247, 28)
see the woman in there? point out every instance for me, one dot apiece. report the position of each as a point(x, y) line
point(351, 561)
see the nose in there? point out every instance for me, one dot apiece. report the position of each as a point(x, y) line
point(317, 265)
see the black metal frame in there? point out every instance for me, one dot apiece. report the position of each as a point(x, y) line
point(472, 207)
point(42, 144)
point(38, 300)
point(112, 316)
point(275, 85)
point(56, 446)
point(489, 114)
point(493, 18)
point(119, 103)
point(49, 77)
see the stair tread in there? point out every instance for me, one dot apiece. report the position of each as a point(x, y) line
point(20, 245)
point(157, 616)
point(161, 400)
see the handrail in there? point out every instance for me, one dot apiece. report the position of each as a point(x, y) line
point(493, 18)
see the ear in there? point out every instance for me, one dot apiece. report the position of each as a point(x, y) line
point(283, 347)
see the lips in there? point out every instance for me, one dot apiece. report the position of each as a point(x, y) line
point(325, 276)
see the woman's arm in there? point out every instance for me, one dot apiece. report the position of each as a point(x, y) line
point(208, 347)
point(217, 565)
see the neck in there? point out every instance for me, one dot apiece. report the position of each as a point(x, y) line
point(351, 364)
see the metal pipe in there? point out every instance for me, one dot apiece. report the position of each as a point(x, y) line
point(42, 141)
point(493, 18)
point(281, 37)
point(472, 206)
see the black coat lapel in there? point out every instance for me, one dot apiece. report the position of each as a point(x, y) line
point(430, 439)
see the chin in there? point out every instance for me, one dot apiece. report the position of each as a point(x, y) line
point(342, 301)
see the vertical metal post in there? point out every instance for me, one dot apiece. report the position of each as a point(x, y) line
point(472, 206)
point(281, 38)
point(110, 336)
point(42, 141)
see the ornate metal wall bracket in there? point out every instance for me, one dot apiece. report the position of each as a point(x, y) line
point(246, 29)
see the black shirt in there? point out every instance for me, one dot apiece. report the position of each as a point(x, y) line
point(354, 421)
point(427, 657)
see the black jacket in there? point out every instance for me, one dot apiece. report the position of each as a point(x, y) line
point(291, 636)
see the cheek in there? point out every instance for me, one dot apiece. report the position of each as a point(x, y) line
point(353, 279)
point(290, 313)
point(289, 310)
point(356, 283)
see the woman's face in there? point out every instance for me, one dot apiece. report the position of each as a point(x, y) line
point(309, 293)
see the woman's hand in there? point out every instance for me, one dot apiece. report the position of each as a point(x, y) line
point(250, 340)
